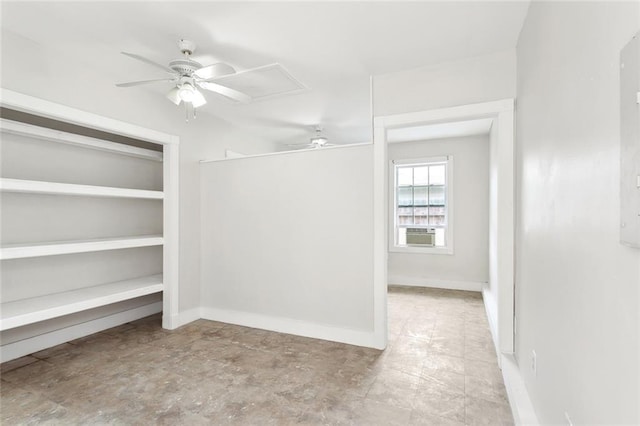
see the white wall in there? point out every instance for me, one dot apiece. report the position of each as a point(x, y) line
point(287, 242)
point(468, 81)
point(577, 286)
point(468, 266)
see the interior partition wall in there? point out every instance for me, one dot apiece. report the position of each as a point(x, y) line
point(287, 242)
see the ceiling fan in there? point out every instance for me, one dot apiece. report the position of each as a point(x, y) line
point(188, 76)
point(318, 140)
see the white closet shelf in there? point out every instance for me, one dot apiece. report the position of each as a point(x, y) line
point(42, 187)
point(29, 130)
point(18, 251)
point(28, 311)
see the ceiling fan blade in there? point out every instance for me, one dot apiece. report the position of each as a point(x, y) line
point(173, 96)
point(149, 61)
point(214, 71)
point(137, 83)
point(225, 91)
point(299, 144)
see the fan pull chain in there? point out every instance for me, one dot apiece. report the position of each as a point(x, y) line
point(186, 112)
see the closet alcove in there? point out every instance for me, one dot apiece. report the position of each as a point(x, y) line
point(89, 224)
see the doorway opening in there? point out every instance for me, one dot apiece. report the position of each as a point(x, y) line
point(498, 292)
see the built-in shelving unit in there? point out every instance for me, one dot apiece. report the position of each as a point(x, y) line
point(55, 188)
point(21, 251)
point(120, 186)
point(23, 129)
point(32, 310)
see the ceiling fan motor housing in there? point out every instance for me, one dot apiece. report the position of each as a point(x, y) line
point(184, 66)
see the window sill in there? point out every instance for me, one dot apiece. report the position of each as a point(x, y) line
point(421, 250)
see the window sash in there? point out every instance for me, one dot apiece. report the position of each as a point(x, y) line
point(406, 194)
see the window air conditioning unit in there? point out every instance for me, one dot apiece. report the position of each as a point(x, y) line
point(421, 236)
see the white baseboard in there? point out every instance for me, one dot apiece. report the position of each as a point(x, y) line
point(183, 318)
point(432, 283)
point(291, 326)
point(37, 343)
point(491, 309)
point(521, 406)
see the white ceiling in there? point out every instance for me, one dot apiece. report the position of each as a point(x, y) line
point(331, 47)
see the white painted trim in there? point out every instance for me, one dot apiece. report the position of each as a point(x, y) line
point(521, 405)
point(56, 111)
point(27, 311)
point(380, 234)
point(19, 251)
point(457, 113)
point(297, 151)
point(445, 251)
point(291, 326)
point(503, 113)
point(57, 337)
point(435, 283)
point(42, 187)
point(490, 309)
point(186, 317)
point(171, 234)
point(233, 154)
point(37, 132)
point(420, 161)
point(506, 231)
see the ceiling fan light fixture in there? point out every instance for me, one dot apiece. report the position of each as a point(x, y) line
point(319, 140)
point(198, 99)
point(173, 96)
point(187, 92)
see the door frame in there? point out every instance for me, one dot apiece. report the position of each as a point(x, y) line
point(500, 312)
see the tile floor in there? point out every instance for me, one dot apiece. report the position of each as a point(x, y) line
point(439, 369)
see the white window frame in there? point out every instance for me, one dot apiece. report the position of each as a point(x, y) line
point(393, 246)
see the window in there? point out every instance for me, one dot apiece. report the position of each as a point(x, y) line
point(421, 205)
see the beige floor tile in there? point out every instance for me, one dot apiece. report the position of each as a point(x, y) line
point(482, 369)
point(17, 363)
point(440, 399)
point(448, 345)
point(425, 418)
point(455, 381)
point(394, 387)
point(439, 369)
point(56, 351)
point(371, 412)
point(20, 406)
point(419, 328)
point(487, 389)
point(438, 361)
point(482, 412)
point(479, 349)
